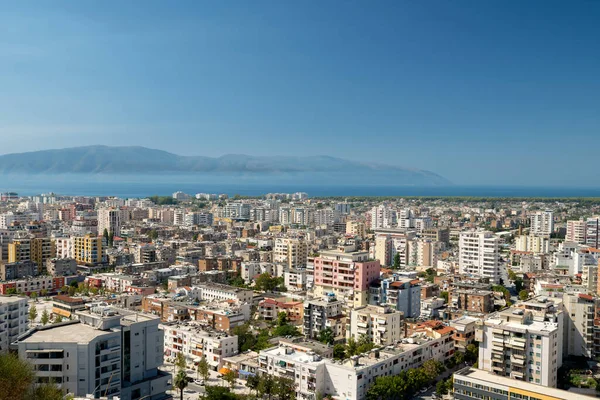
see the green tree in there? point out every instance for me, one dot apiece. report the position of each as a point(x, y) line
point(252, 383)
point(180, 382)
point(230, 378)
point(16, 377)
point(519, 284)
point(472, 352)
point(440, 388)
point(282, 319)
point(267, 387)
point(432, 368)
point(512, 275)
point(523, 295)
point(396, 261)
point(203, 369)
point(45, 318)
point(105, 236)
point(58, 319)
point(180, 361)
point(285, 388)
point(33, 296)
point(326, 336)
point(219, 393)
point(445, 295)
point(339, 352)
point(11, 290)
point(44, 292)
point(33, 313)
point(111, 239)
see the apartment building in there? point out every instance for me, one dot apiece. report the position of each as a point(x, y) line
point(17, 270)
point(381, 324)
point(219, 292)
point(14, 315)
point(356, 228)
point(580, 311)
point(106, 352)
point(111, 219)
point(37, 250)
point(295, 280)
point(576, 231)
point(345, 272)
point(33, 284)
point(351, 379)
point(524, 344)
point(269, 309)
point(88, 249)
point(64, 247)
point(383, 216)
point(61, 266)
point(534, 244)
point(291, 252)
point(542, 223)
point(470, 383)
point(472, 300)
point(321, 314)
point(401, 294)
point(195, 342)
point(464, 333)
point(479, 255)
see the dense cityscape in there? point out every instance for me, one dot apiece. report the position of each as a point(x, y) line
point(286, 296)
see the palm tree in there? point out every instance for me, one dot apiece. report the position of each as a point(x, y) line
point(181, 382)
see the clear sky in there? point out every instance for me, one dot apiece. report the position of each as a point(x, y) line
point(481, 92)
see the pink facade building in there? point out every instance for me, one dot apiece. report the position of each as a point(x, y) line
point(346, 273)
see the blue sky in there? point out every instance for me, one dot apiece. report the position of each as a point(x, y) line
point(481, 92)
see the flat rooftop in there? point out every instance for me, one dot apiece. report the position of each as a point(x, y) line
point(72, 333)
point(520, 385)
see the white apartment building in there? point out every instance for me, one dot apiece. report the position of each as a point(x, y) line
point(381, 324)
point(383, 216)
point(291, 252)
point(534, 244)
point(479, 255)
point(65, 247)
point(351, 379)
point(253, 268)
point(219, 292)
point(295, 279)
point(195, 342)
point(14, 323)
point(110, 219)
point(580, 311)
point(237, 210)
point(542, 223)
point(523, 344)
point(107, 352)
point(406, 218)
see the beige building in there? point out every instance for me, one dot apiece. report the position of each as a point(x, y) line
point(292, 252)
point(381, 324)
point(356, 228)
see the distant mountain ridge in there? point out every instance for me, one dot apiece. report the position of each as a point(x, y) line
point(142, 160)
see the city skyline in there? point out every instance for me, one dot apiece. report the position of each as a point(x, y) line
point(480, 93)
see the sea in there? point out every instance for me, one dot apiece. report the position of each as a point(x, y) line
point(143, 186)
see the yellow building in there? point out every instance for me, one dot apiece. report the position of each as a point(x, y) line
point(37, 250)
point(88, 249)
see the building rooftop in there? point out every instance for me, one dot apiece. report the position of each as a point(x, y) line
point(72, 332)
point(520, 385)
point(11, 299)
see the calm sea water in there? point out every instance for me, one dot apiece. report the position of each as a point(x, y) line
point(142, 186)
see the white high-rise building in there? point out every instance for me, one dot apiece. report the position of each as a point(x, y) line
point(109, 219)
point(383, 217)
point(405, 218)
point(479, 255)
point(14, 323)
point(106, 352)
point(542, 223)
point(524, 344)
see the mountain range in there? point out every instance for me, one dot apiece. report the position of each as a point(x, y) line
point(142, 160)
